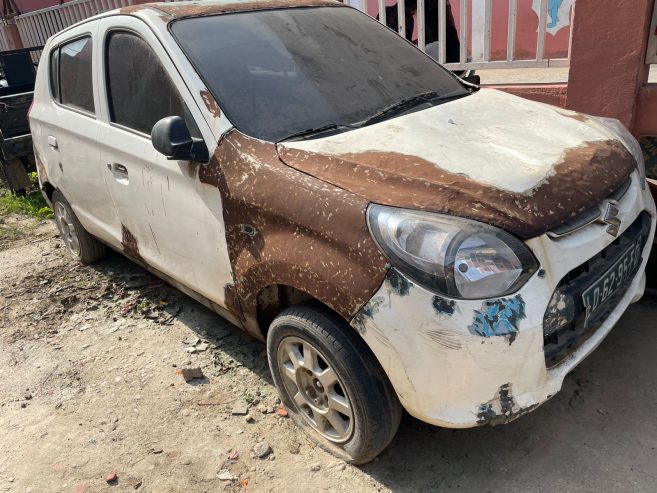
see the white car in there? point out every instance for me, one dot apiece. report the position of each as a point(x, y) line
point(400, 238)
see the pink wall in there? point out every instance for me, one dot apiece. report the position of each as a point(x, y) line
point(556, 44)
point(608, 71)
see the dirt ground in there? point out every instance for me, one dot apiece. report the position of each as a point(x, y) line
point(89, 385)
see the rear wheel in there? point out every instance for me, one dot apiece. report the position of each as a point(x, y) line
point(78, 242)
point(332, 384)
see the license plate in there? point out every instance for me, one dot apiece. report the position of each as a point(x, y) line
point(596, 295)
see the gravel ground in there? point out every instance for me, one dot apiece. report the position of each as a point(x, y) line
point(90, 385)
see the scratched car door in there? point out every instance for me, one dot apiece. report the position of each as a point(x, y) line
point(169, 220)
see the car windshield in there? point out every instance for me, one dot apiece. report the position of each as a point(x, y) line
point(276, 73)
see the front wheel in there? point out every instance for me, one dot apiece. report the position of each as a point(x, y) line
point(332, 384)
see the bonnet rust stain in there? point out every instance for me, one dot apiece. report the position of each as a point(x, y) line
point(199, 9)
point(129, 242)
point(574, 115)
point(584, 176)
point(210, 103)
point(285, 227)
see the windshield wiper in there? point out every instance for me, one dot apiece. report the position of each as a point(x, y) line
point(313, 131)
point(406, 104)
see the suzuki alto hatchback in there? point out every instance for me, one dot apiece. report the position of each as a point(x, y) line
point(398, 237)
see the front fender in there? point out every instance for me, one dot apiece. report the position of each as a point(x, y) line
point(286, 227)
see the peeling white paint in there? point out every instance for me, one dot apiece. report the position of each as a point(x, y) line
point(492, 137)
point(444, 373)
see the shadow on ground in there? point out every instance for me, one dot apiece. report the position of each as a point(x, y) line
point(239, 349)
point(598, 433)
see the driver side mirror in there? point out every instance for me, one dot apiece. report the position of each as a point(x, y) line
point(170, 136)
point(472, 79)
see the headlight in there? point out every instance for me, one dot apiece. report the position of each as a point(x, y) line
point(631, 144)
point(456, 257)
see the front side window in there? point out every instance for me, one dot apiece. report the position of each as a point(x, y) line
point(280, 71)
point(140, 92)
point(75, 79)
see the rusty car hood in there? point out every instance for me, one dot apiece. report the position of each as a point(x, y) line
point(523, 166)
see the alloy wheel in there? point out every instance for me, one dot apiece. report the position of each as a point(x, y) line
point(315, 389)
point(67, 228)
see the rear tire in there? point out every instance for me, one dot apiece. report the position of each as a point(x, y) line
point(80, 244)
point(331, 383)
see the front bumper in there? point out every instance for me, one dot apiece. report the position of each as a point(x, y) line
point(448, 372)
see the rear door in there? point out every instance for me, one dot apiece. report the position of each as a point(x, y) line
point(169, 219)
point(64, 127)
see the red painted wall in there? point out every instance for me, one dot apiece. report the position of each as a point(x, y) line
point(556, 46)
point(607, 61)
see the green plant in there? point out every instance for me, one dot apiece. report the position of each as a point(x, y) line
point(32, 204)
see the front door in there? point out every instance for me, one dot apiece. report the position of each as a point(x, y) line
point(169, 219)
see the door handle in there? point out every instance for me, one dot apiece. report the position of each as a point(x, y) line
point(119, 168)
point(52, 142)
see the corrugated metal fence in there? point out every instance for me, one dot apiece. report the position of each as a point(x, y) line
point(36, 27)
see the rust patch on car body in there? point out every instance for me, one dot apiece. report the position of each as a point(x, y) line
point(584, 176)
point(40, 166)
point(199, 9)
point(210, 103)
point(129, 243)
point(302, 232)
point(574, 115)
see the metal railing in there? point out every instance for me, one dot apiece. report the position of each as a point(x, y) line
point(480, 57)
point(4, 43)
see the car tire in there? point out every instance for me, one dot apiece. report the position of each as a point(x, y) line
point(80, 244)
point(331, 383)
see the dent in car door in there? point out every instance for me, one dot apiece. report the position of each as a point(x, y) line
point(169, 220)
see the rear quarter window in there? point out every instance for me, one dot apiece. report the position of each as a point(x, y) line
point(54, 74)
point(75, 76)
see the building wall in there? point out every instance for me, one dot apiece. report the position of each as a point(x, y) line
point(556, 43)
point(556, 46)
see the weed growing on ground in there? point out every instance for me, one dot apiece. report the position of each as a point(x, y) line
point(31, 204)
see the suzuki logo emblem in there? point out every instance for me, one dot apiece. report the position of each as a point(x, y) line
point(610, 217)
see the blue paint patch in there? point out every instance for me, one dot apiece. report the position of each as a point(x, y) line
point(499, 317)
point(553, 12)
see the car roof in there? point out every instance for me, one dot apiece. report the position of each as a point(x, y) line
point(178, 10)
point(169, 11)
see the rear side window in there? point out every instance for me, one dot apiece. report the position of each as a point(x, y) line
point(54, 74)
point(140, 92)
point(75, 79)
